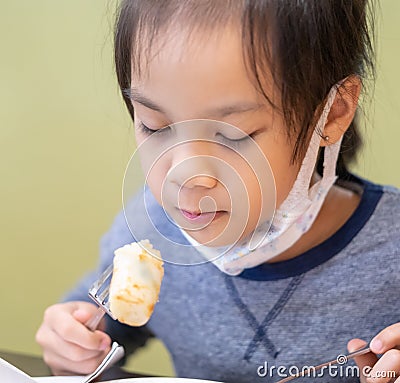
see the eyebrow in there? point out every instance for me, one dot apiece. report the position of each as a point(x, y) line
point(223, 111)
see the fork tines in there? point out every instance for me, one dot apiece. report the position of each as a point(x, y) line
point(99, 291)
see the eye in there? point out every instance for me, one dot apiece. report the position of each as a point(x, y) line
point(235, 141)
point(146, 130)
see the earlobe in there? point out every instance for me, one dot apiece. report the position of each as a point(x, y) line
point(343, 110)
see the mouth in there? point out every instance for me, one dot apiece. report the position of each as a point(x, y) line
point(201, 217)
point(191, 214)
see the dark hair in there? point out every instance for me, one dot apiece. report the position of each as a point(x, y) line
point(308, 46)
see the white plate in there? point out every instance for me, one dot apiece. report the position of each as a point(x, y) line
point(161, 380)
point(59, 379)
point(78, 379)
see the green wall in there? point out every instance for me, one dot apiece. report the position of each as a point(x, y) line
point(65, 139)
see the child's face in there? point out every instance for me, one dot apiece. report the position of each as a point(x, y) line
point(206, 79)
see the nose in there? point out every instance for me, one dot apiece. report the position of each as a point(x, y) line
point(194, 165)
point(204, 181)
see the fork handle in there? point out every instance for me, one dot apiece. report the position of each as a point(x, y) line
point(94, 321)
point(306, 371)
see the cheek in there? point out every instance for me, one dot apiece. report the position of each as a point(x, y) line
point(154, 171)
point(278, 153)
point(284, 180)
point(285, 175)
point(156, 177)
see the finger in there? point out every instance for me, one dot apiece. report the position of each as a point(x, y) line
point(368, 359)
point(364, 362)
point(71, 330)
point(61, 366)
point(83, 315)
point(52, 343)
point(386, 339)
point(387, 367)
point(78, 334)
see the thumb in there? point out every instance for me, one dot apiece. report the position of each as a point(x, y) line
point(364, 362)
point(82, 314)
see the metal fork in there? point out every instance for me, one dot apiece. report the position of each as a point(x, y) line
point(99, 292)
point(320, 366)
point(114, 355)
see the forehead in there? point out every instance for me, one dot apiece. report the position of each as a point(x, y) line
point(187, 69)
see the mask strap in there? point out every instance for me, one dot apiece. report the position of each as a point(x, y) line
point(302, 183)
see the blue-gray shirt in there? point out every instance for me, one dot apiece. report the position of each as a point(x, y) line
point(298, 312)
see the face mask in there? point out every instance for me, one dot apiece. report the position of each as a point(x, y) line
point(292, 219)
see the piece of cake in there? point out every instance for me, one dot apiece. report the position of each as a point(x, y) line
point(136, 281)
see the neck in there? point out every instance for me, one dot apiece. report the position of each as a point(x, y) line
point(329, 220)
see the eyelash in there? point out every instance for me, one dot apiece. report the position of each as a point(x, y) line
point(238, 142)
point(230, 142)
point(145, 129)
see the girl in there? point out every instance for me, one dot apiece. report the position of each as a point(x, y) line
point(282, 78)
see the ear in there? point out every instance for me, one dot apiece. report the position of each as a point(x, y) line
point(343, 110)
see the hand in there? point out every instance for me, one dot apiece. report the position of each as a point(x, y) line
point(379, 370)
point(68, 346)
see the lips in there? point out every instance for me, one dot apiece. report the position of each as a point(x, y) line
point(191, 215)
point(201, 217)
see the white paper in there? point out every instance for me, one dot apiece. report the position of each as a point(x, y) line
point(12, 374)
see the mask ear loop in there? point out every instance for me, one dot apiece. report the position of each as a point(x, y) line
point(331, 152)
point(301, 185)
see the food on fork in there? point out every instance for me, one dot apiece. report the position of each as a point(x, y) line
point(136, 281)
